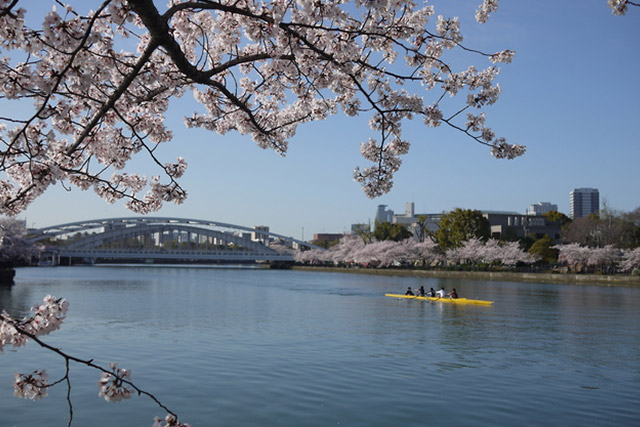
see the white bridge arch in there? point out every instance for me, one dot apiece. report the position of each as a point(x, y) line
point(158, 239)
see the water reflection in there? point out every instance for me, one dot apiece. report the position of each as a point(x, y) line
point(294, 348)
point(15, 301)
point(5, 295)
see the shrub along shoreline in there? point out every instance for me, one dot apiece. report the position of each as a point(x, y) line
point(508, 276)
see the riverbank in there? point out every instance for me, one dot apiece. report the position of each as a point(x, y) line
point(564, 278)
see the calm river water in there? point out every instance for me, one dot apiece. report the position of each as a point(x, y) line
point(253, 347)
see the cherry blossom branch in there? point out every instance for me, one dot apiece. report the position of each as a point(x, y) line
point(113, 384)
point(159, 29)
point(60, 75)
point(7, 9)
point(115, 96)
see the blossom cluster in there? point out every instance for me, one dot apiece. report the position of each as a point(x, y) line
point(259, 68)
point(486, 8)
point(620, 7)
point(32, 386)
point(631, 260)
point(476, 251)
point(111, 384)
point(46, 317)
point(169, 421)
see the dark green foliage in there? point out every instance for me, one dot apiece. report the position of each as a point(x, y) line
point(554, 216)
point(460, 225)
point(388, 231)
point(545, 250)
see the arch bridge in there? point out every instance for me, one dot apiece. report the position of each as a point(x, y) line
point(163, 239)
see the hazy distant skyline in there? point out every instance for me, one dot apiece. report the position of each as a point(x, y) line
point(570, 96)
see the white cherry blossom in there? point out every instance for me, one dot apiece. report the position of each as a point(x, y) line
point(169, 421)
point(631, 260)
point(111, 385)
point(32, 386)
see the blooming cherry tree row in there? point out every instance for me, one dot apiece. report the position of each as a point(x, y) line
point(352, 250)
point(577, 256)
point(100, 84)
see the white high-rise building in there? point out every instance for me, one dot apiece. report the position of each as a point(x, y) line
point(583, 202)
point(541, 208)
point(409, 209)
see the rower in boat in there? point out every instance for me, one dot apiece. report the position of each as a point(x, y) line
point(453, 294)
point(431, 293)
point(409, 291)
point(442, 300)
point(421, 291)
point(441, 293)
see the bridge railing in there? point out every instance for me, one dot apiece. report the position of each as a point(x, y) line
point(173, 254)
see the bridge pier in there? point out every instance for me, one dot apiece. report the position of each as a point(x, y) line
point(49, 258)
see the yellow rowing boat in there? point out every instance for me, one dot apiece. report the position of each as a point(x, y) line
point(446, 299)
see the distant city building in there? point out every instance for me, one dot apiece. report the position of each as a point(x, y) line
point(583, 202)
point(541, 208)
point(415, 223)
point(257, 236)
point(409, 209)
point(503, 224)
point(408, 218)
point(358, 228)
point(383, 214)
point(513, 224)
point(320, 238)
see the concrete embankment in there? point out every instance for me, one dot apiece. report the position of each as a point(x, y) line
point(576, 279)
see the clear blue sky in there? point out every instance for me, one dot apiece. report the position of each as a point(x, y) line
point(571, 96)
